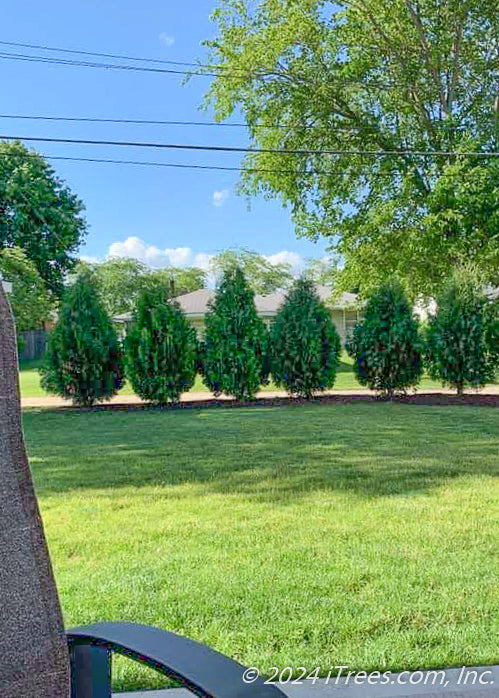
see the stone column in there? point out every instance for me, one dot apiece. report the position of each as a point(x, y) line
point(33, 651)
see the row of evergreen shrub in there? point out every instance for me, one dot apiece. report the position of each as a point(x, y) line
point(459, 344)
point(161, 355)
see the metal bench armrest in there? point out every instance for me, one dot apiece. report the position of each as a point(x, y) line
point(205, 672)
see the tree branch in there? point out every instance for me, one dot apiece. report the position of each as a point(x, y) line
point(456, 53)
point(426, 50)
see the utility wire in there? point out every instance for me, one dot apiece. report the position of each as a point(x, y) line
point(159, 122)
point(111, 55)
point(203, 66)
point(202, 69)
point(223, 168)
point(177, 165)
point(277, 151)
point(107, 66)
point(152, 122)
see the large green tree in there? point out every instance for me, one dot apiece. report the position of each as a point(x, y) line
point(30, 300)
point(179, 280)
point(39, 213)
point(263, 277)
point(121, 281)
point(322, 271)
point(361, 79)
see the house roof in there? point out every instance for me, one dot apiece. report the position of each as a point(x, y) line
point(196, 303)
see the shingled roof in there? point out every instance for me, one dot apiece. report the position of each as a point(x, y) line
point(196, 303)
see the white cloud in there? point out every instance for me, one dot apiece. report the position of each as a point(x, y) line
point(286, 257)
point(89, 259)
point(220, 197)
point(166, 39)
point(203, 260)
point(150, 254)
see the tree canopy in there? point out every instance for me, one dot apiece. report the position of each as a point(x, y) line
point(262, 276)
point(364, 88)
point(179, 280)
point(122, 280)
point(30, 300)
point(324, 272)
point(39, 213)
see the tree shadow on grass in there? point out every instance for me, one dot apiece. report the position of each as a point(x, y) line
point(265, 454)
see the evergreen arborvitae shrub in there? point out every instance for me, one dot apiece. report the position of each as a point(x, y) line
point(306, 347)
point(161, 348)
point(84, 360)
point(236, 340)
point(386, 345)
point(462, 337)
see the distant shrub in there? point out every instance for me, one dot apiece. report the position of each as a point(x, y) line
point(386, 345)
point(84, 360)
point(463, 336)
point(161, 348)
point(235, 340)
point(305, 345)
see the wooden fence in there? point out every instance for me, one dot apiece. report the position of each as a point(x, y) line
point(32, 345)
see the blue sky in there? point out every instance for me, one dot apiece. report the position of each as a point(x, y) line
point(159, 215)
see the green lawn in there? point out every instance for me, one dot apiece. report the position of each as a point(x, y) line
point(345, 380)
point(358, 534)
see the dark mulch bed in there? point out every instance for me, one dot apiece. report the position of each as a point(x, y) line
point(431, 399)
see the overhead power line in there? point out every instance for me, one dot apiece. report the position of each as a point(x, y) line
point(41, 47)
point(183, 166)
point(202, 68)
point(277, 151)
point(161, 122)
point(202, 71)
point(222, 168)
point(149, 122)
point(108, 66)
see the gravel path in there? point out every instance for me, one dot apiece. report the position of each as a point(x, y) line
point(489, 396)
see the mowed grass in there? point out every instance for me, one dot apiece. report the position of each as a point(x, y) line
point(345, 380)
point(356, 534)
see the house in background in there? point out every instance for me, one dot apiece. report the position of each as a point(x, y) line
point(344, 310)
point(7, 286)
